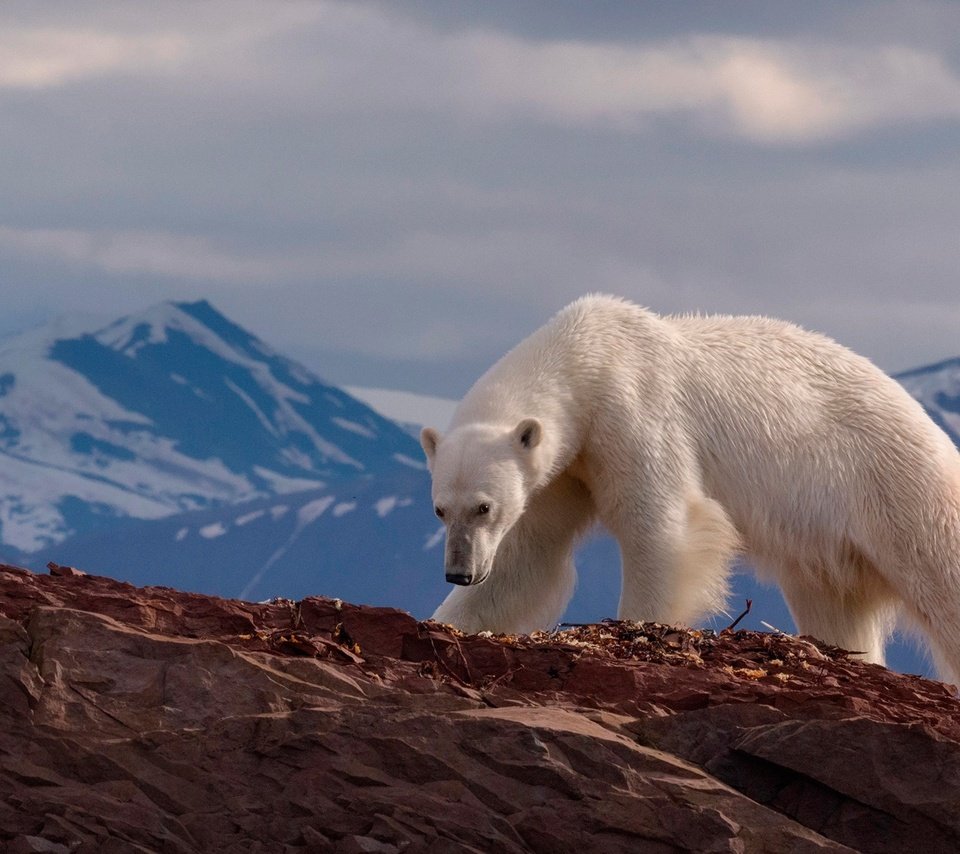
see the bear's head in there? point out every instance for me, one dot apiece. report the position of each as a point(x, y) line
point(482, 477)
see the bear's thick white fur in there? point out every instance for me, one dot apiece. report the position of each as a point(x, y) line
point(690, 439)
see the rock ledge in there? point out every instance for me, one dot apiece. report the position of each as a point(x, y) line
point(146, 719)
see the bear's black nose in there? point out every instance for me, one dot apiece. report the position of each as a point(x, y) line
point(459, 578)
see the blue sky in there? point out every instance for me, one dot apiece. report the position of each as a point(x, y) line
point(397, 192)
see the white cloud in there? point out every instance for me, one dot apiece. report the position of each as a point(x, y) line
point(409, 186)
point(122, 251)
point(363, 59)
point(532, 253)
point(763, 90)
point(37, 58)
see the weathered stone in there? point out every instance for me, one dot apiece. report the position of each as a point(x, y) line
point(149, 719)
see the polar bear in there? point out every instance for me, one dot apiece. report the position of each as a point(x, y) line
point(691, 439)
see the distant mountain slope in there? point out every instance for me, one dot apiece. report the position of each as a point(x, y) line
point(937, 387)
point(412, 411)
point(369, 537)
point(170, 410)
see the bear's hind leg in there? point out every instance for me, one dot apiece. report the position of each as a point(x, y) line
point(858, 618)
point(932, 605)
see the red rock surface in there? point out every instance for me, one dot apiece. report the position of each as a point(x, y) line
point(145, 719)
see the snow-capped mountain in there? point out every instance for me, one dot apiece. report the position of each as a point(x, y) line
point(171, 410)
point(937, 387)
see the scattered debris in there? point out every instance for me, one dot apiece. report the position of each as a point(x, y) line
point(736, 622)
point(63, 571)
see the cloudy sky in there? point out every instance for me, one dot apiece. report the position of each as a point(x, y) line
point(397, 192)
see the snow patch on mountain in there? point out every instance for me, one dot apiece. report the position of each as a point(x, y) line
point(313, 510)
point(210, 532)
point(307, 515)
point(343, 508)
point(282, 485)
point(389, 503)
point(407, 408)
point(173, 409)
point(937, 387)
point(403, 459)
point(435, 538)
point(33, 517)
point(354, 427)
point(247, 518)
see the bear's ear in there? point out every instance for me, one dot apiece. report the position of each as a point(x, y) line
point(528, 433)
point(429, 439)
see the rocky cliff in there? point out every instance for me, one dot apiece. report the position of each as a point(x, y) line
point(145, 719)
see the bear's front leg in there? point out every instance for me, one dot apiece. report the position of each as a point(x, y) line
point(533, 574)
point(519, 596)
point(676, 561)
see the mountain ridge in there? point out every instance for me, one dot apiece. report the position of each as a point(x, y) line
point(172, 409)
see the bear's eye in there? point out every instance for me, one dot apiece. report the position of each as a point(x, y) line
point(438, 511)
point(483, 509)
